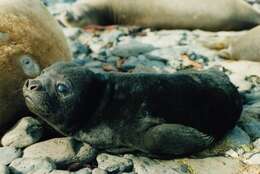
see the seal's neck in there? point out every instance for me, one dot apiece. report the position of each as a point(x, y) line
point(89, 102)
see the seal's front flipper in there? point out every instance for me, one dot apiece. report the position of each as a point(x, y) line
point(225, 53)
point(175, 139)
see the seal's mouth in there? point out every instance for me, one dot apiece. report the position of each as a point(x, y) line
point(30, 102)
point(28, 99)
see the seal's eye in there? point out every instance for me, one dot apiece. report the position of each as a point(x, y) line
point(62, 88)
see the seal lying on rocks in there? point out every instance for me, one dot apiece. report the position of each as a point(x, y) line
point(30, 39)
point(159, 114)
point(165, 14)
point(245, 47)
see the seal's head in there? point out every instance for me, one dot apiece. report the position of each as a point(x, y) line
point(64, 95)
point(84, 13)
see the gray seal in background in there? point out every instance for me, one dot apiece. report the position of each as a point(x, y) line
point(164, 14)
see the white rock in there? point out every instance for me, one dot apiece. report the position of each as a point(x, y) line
point(8, 154)
point(240, 70)
point(4, 169)
point(27, 131)
point(114, 164)
point(62, 151)
point(256, 144)
point(232, 153)
point(32, 166)
point(213, 165)
point(254, 159)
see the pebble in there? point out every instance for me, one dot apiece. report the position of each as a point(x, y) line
point(144, 165)
point(32, 165)
point(79, 50)
point(98, 171)
point(94, 64)
point(144, 50)
point(114, 164)
point(83, 171)
point(236, 137)
point(60, 172)
point(111, 36)
point(62, 151)
point(132, 62)
point(8, 154)
point(72, 33)
point(131, 48)
point(26, 132)
point(251, 126)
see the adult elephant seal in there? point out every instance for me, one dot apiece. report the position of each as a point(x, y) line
point(158, 114)
point(245, 47)
point(30, 39)
point(165, 14)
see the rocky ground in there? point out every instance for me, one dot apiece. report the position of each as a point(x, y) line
point(26, 150)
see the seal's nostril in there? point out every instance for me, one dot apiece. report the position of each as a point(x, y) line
point(33, 85)
point(27, 83)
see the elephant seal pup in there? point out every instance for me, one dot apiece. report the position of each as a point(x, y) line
point(245, 47)
point(30, 39)
point(164, 14)
point(158, 114)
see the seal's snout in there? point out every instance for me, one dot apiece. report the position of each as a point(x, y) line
point(33, 85)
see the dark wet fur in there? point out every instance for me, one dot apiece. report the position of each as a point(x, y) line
point(158, 114)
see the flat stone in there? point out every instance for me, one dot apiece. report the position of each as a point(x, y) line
point(8, 154)
point(111, 36)
point(114, 164)
point(26, 132)
point(144, 165)
point(131, 48)
point(240, 70)
point(254, 159)
point(237, 137)
point(4, 169)
point(98, 171)
point(250, 169)
point(60, 172)
point(234, 139)
point(62, 151)
point(83, 171)
point(213, 165)
point(256, 144)
point(232, 153)
point(251, 126)
point(32, 165)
